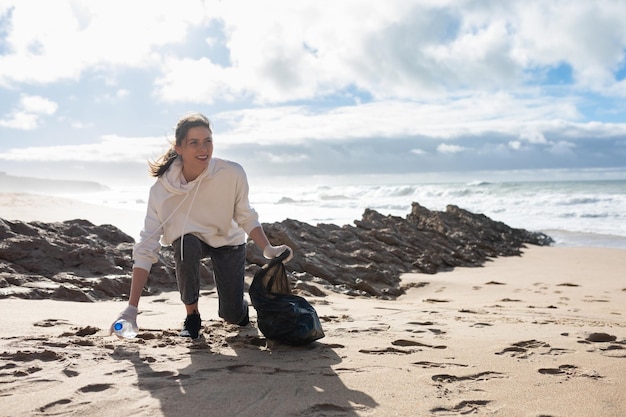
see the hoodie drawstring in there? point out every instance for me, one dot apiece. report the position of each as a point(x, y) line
point(182, 234)
point(165, 221)
point(174, 212)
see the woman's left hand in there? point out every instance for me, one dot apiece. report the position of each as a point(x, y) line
point(271, 252)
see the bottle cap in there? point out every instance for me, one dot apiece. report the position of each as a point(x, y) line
point(118, 326)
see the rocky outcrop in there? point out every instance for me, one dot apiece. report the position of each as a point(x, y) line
point(76, 260)
point(368, 258)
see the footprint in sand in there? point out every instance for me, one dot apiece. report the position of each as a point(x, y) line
point(27, 356)
point(51, 323)
point(426, 323)
point(606, 343)
point(391, 350)
point(81, 331)
point(523, 349)
point(594, 299)
point(468, 311)
point(462, 408)
point(479, 325)
point(254, 369)
point(427, 364)
point(442, 382)
point(86, 331)
point(326, 409)
point(402, 343)
point(614, 351)
point(47, 407)
point(95, 388)
point(481, 376)
point(336, 319)
point(30, 370)
point(83, 342)
point(569, 371)
point(55, 344)
point(161, 374)
point(246, 341)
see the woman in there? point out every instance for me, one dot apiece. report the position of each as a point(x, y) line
point(200, 206)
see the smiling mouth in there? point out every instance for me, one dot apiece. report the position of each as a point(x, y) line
point(202, 158)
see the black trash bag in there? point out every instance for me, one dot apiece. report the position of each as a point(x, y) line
point(282, 316)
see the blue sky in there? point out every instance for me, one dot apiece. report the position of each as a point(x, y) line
point(92, 89)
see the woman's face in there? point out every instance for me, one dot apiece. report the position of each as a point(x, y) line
point(196, 149)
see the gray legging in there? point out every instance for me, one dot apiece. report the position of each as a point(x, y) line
point(228, 266)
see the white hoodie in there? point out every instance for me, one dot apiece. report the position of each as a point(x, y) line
point(214, 207)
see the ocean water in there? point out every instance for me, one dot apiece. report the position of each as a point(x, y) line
point(587, 212)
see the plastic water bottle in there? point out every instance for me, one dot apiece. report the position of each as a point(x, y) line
point(124, 329)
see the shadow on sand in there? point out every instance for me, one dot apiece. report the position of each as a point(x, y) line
point(253, 381)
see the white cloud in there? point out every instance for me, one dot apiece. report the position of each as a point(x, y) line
point(281, 158)
point(197, 81)
point(51, 41)
point(466, 116)
point(282, 51)
point(589, 36)
point(111, 148)
point(20, 120)
point(532, 136)
point(28, 113)
point(38, 105)
point(447, 148)
point(401, 49)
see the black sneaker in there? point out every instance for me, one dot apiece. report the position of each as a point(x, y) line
point(192, 326)
point(246, 320)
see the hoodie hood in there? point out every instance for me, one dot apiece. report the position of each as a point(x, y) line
point(174, 181)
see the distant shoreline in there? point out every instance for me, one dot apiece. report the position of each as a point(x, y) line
point(16, 184)
point(30, 207)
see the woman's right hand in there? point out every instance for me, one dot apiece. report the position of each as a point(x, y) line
point(130, 315)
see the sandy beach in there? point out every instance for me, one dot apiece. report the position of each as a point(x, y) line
point(543, 334)
point(47, 208)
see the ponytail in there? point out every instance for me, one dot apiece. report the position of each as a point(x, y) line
point(158, 167)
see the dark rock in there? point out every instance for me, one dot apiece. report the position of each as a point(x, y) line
point(72, 260)
point(368, 258)
point(76, 260)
